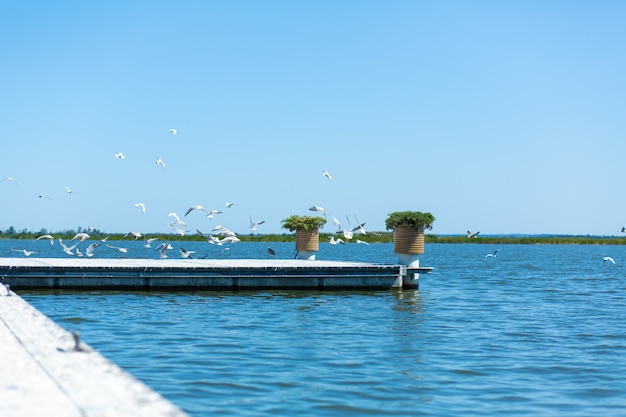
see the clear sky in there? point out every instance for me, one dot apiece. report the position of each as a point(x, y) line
point(503, 117)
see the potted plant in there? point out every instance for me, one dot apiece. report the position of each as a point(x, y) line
point(307, 233)
point(408, 230)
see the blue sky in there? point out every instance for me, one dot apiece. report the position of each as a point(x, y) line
point(503, 117)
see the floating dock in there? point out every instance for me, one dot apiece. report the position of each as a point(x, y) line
point(202, 274)
point(48, 372)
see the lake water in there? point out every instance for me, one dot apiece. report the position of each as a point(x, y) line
point(539, 330)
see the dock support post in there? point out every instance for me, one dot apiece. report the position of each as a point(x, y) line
point(305, 254)
point(411, 279)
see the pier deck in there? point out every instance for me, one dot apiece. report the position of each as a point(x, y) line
point(203, 274)
point(43, 375)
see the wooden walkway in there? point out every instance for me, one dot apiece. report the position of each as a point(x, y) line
point(43, 374)
point(176, 274)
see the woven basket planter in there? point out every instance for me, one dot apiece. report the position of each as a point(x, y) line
point(408, 240)
point(308, 241)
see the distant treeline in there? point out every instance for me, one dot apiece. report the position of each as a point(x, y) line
point(371, 237)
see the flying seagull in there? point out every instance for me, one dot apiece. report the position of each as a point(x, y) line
point(186, 253)
point(81, 236)
point(608, 258)
point(173, 131)
point(49, 237)
point(210, 214)
point(195, 207)
point(9, 179)
point(622, 230)
point(254, 224)
point(120, 155)
point(123, 250)
point(25, 252)
point(229, 205)
point(159, 161)
point(91, 248)
point(136, 235)
point(470, 234)
point(68, 189)
point(318, 208)
point(492, 254)
point(141, 206)
point(327, 175)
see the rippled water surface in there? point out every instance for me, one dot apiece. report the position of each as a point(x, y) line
point(539, 330)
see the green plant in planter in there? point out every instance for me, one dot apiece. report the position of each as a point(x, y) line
point(304, 223)
point(409, 219)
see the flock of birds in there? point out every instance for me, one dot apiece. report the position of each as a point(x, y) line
point(219, 235)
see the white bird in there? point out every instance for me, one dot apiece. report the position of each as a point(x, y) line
point(136, 235)
point(163, 248)
point(333, 241)
point(336, 222)
point(608, 258)
point(67, 249)
point(210, 238)
point(361, 242)
point(68, 189)
point(91, 248)
point(147, 243)
point(360, 227)
point(141, 206)
point(195, 207)
point(492, 254)
point(173, 131)
point(120, 155)
point(186, 253)
point(470, 234)
point(177, 219)
point(254, 224)
point(9, 179)
point(210, 213)
point(222, 231)
point(229, 205)
point(82, 236)
point(123, 250)
point(159, 161)
point(231, 239)
point(25, 252)
point(178, 230)
point(622, 230)
point(49, 237)
point(327, 175)
point(318, 208)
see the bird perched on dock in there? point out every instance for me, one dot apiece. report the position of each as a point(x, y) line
point(609, 259)
point(78, 345)
point(470, 234)
point(270, 251)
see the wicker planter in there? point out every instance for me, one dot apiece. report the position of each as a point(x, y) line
point(408, 240)
point(308, 241)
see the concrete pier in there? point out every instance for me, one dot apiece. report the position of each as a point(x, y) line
point(202, 274)
point(45, 373)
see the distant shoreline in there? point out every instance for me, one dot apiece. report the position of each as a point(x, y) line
point(372, 237)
